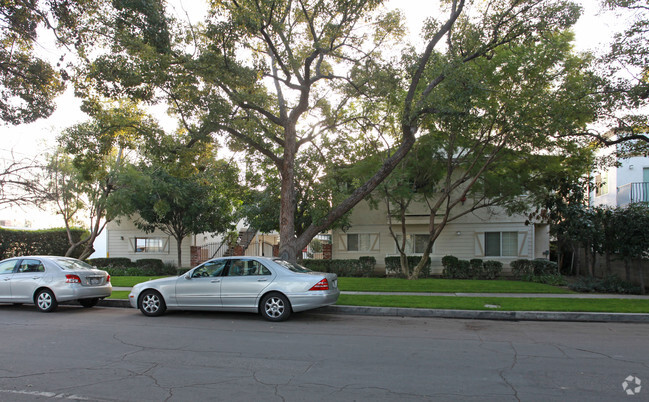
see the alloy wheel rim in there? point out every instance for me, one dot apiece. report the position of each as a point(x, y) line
point(44, 301)
point(150, 303)
point(274, 307)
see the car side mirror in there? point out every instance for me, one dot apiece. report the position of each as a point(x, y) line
point(188, 276)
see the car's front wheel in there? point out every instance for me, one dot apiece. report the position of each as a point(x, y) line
point(151, 303)
point(87, 303)
point(45, 301)
point(275, 307)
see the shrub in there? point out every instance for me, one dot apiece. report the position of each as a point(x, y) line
point(367, 265)
point(117, 262)
point(393, 266)
point(522, 269)
point(477, 268)
point(492, 269)
point(608, 284)
point(456, 269)
point(38, 242)
point(544, 267)
point(364, 266)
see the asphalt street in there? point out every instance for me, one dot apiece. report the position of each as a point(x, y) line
point(116, 354)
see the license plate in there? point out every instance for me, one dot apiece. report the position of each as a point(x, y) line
point(94, 281)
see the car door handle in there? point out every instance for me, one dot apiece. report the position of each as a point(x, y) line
point(215, 280)
point(7, 279)
point(262, 280)
point(36, 277)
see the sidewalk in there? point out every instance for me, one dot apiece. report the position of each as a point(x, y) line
point(470, 314)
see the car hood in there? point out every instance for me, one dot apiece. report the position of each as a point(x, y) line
point(157, 282)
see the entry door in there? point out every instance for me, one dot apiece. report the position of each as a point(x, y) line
point(201, 287)
point(243, 284)
point(6, 272)
point(26, 280)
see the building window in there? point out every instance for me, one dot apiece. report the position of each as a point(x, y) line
point(501, 244)
point(149, 245)
point(362, 242)
point(415, 244)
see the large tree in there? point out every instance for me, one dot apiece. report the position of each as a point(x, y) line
point(273, 76)
point(28, 81)
point(181, 191)
point(624, 88)
point(82, 176)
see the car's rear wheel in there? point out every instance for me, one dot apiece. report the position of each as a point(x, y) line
point(87, 303)
point(45, 301)
point(275, 307)
point(152, 304)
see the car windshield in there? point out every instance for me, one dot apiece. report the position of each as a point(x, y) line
point(292, 266)
point(72, 264)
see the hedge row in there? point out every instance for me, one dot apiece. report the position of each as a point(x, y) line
point(37, 242)
point(538, 270)
point(126, 267)
point(454, 268)
point(393, 266)
point(363, 267)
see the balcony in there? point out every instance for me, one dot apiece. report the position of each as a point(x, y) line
point(632, 192)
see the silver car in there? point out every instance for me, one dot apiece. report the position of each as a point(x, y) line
point(46, 281)
point(272, 287)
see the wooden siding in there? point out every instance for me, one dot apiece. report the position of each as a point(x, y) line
point(463, 238)
point(120, 242)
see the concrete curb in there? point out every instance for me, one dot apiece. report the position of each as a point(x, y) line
point(462, 314)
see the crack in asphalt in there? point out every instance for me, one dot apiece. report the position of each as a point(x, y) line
point(501, 372)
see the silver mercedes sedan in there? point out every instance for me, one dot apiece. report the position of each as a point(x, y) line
point(273, 287)
point(47, 280)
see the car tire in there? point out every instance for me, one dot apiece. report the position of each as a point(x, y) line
point(87, 303)
point(275, 307)
point(151, 303)
point(45, 301)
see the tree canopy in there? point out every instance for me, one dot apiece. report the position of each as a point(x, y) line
point(277, 78)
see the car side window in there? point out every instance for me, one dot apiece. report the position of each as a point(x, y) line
point(7, 267)
point(210, 268)
point(247, 268)
point(31, 266)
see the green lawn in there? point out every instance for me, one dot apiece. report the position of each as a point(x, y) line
point(130, 281)
point(444, 286)
point(453, 302)
point(505, 303)
point(119, 294)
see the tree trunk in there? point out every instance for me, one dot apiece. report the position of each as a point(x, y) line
point(627, 269)
point(287, 239)
point(608, 263)
point(642, 286)
point(179, 246)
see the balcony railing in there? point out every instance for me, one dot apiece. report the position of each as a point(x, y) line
point(632, 192)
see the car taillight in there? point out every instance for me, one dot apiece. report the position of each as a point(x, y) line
point(72, 279)
point(108, 279)
point(322, 285)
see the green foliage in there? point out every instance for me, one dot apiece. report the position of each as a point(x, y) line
point(393, 266)
point(149, 267)
point(476, 268)
point(343, 268)
point(29, 83)
point(537, 270)
point(37, 242)
point(180, 190)
point(150, 264)
point(608, 284)
point(112, 262)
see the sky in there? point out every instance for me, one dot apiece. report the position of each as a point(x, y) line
point(593, 31)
